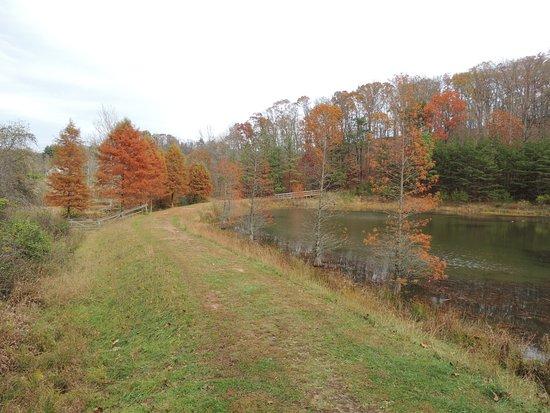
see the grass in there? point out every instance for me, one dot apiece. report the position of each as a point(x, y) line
point(344, 201)
point(164, 313)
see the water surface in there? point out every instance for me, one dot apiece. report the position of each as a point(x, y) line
point(497, 267)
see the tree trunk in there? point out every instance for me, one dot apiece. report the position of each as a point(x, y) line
point(318, 248)
point(252, 199)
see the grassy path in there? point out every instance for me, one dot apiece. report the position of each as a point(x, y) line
point(157, 315)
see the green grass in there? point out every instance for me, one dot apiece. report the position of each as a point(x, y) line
point(164, 316)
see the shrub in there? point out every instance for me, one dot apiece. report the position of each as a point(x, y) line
point(499, 195)
point(459, 196)
point(24, 246)
point(53, 224)
point(543, 199)
point(26, 239)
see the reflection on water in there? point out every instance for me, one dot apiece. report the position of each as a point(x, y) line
point(498, 267)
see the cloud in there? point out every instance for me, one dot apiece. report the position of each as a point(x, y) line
point(178, 67)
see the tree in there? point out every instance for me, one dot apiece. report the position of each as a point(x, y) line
point(256, 182)
point(403, 176)
point(67, 183)
point(107, 120)
point(323, 126)
point(200, 185)
point(177, 184)
point(124, 166)
point(505, 127)
point(16, 183)
point(157, 179)
point(229, 184)
point(445, 112)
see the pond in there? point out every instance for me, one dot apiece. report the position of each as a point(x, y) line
point(498, 267)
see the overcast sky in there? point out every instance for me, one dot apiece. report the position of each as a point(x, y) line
point(180, 67)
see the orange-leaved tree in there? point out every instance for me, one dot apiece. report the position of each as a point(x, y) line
point(67, 182)
point(124, 166)
point(178, 180)
point(157, 179)
point(403, 175)
point(323, 126)
point(200, 184)
point(445, 112)
point(229, 187)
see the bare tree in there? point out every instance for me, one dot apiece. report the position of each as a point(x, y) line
point(16, 162)
point(255, 176)
point(107, 119)
point(324, 130)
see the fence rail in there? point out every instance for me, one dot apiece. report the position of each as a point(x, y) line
point(297, 194)
point(96, 223)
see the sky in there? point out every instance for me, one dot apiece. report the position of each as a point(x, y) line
point(186, 67)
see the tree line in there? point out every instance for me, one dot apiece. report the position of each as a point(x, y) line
point(478, 135)
point(504, 107)
point(132, 170)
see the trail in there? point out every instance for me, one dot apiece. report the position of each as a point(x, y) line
point(165, 316)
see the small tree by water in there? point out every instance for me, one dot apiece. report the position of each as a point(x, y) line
point(323, 126)
point(403, 167)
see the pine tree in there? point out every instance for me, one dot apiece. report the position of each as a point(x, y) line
point(67, 183)
point(178, 184)
point(200, 184)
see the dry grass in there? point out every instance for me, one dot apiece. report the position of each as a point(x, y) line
point(347, 202)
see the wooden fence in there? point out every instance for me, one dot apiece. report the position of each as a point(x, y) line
point(297, 194)
point(96, 223)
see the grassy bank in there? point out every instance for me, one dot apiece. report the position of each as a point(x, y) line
point(165, 313)
point(345, 201)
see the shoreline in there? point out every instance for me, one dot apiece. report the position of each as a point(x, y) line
point(345, 202)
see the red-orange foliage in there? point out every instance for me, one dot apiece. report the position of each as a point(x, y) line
point(323, 127)
point(178, 180)
point(402, 165)
point(402, 170)
point(323, 124)
point(505, 126)
point(67, 183)
point(445, 112)
point(157, 178)
point(200, 184)
point(124, 172)
point(229, 178)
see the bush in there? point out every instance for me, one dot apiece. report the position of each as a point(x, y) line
point(543, 199)
point(24, 248)
point(53, 224)
point(499, 195)
point(26, 239)
point(459, 196)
